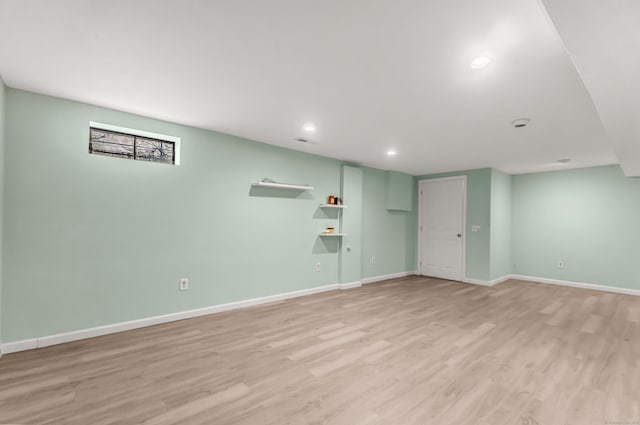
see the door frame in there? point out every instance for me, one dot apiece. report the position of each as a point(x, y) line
point(421, 184)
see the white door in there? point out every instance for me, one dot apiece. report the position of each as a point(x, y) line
point(442, 223)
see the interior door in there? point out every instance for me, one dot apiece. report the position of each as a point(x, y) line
point(442, 223)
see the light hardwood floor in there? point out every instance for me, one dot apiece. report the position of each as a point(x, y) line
point(406, 351)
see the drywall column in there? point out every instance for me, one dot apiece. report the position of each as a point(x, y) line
point(2, 142)
point(351, 224)
point(500, 228)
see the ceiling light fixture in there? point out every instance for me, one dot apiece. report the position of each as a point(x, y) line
point(309, 127)
point(391, 152)
point(480, 62)
point(521, 122)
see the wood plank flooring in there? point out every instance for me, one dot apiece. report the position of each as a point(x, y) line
point(406, 351)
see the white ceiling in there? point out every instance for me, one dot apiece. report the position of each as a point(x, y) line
point(603, 39)
point(372, 75)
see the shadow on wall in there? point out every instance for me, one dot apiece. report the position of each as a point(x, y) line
point(326, 214)
point(326, 245)
point(398, 212)
point(274, 192)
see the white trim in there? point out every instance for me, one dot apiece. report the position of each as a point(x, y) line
point(444, 179)
point(487, 282)
point(462, 177)
point(583, 285)
point(350, 285)
point(29, 344)
point(48, 340)
point(25, 344)
point(387, 277)
point(282, 185)
point(141, 133)
point(333, 206)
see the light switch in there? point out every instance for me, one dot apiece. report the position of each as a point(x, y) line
point(475, 228)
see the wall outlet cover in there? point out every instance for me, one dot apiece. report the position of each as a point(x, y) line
point(184, 284)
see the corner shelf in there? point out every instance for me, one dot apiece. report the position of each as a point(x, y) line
point(333, 234)
point(282, 185)
point(333, 206)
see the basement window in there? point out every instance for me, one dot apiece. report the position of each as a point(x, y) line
point(120, 142)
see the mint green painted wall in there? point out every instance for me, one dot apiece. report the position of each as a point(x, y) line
point(399, 194)
point(500, 228)
point(351, 224)
point(387, 235)
point(588, 218)
point(478, 213)
point(92, 240)
point(2, 143)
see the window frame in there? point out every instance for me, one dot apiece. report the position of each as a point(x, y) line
point(140, 133)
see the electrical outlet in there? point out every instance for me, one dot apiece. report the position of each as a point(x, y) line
point(184, 284)
point(560, 264)
point(317, 267)
point(373, 259)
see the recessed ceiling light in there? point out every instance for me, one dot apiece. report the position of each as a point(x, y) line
point(391, 152)
point(480, 62)
point(309, 127)
point(521, 122)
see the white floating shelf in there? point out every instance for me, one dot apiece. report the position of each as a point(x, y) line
point(333, 206)
point(333, 234)
point(282, 186)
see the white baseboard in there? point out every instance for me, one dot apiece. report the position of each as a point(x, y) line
point(350, 285)
point(45, 341)
point(387, 277)
point(26, 344)
point(593, 286)
point(582, 285)
point(487, 282)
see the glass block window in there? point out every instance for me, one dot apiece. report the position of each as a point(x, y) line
point(131, 146)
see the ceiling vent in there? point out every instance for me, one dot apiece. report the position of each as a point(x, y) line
point(521, 122)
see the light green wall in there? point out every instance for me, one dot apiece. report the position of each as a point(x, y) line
point(588, 218)
point(92, 240)
point(2, 143)
point(399, 194)
point(387, 235)
point(500, 228)
point(351, 244)
point(478, 213)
